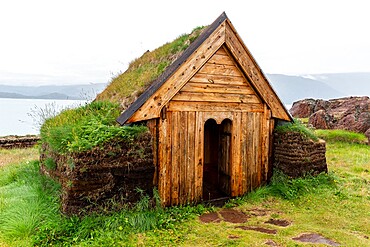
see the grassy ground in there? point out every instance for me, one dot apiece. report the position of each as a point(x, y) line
point(16, 156)
point(335, 205)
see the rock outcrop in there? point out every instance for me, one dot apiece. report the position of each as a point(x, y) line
point(351, 113)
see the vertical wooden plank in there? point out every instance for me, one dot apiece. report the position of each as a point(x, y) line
point(225, 156)
point(190, 159)
point(168, 150)
point(161, 164)
point(199, 147)
point(256, 138)
point(164, 160)
point(244, 152)
point(233, 170)
point(236, 188)
point(258, 149)
point(265, 143)
point(153, 128)
point(250, 151)
point(253, 151)
point(175, 154)
point(183, 184)
point(270, 150)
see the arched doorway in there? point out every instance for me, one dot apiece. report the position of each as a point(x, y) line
point(217, 159)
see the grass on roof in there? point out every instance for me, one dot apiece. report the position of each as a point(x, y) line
point(141, 72)
point(86, 127)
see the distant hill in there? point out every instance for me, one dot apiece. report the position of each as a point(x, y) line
point(72, 92)
point(45, 96)
point(350, 84)
point(320, 86)
point(289, 88)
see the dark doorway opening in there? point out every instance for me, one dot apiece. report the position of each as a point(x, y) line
point(217, 159)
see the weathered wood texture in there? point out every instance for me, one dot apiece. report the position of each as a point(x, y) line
point(181, 154)
point(219, 80)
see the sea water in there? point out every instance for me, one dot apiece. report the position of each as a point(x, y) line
point(23, 116)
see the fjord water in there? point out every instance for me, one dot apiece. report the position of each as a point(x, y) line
point(15, 116)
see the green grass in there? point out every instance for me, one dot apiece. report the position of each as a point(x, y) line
point(27, 201)
point(341, 136)
point(86, 127)
point(335, 205)
point(299, 127)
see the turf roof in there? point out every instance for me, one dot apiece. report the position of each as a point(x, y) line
point(142, 72)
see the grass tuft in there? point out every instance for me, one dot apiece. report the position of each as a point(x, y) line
point(297, 126)
point(27, 200)
point(341, 136)
point(80, 129)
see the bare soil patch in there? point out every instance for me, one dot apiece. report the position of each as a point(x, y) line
point(233, 216)
point(277, 222)
point(210, 218)
point(315, 238)
point(258, 229)
point(228, 215)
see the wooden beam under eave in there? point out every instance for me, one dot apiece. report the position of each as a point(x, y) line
point(254, 73)
point(153, 106)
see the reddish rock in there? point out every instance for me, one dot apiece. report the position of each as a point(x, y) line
point(303, 108)
point(367, 134)
point(351, 113)
point(319, 120)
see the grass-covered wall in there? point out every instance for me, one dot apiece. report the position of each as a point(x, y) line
point(98, 163)
point(297, 151)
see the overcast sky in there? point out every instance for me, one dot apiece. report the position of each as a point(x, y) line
point(79, 42)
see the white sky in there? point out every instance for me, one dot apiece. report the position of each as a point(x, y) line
point(89, 41)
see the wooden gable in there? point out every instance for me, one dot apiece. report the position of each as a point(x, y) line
point(217, 67)
point(217, 82)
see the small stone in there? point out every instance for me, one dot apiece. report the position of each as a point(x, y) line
point(233, 237)
point(315, 239)
point(271, 243)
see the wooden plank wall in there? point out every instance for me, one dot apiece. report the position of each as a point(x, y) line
point(181, 149)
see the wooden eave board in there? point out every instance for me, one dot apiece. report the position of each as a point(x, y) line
point(254, 73)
